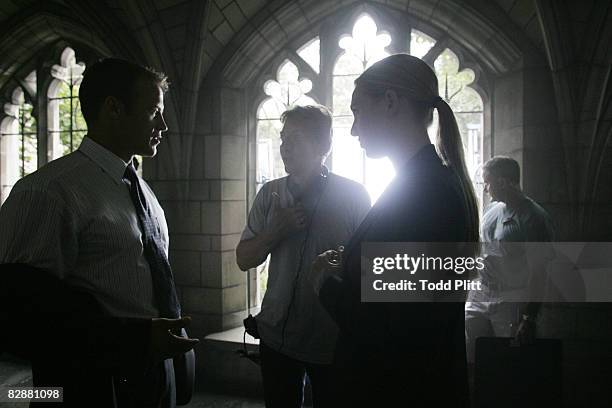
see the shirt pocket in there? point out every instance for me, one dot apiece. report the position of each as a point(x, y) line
point(109, 234)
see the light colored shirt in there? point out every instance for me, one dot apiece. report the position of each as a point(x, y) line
point(507, 261)
point(74, 217)
point(292, 321)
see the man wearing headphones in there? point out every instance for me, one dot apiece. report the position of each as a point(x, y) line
point(293, 219)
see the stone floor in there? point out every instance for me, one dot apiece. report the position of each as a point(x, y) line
point(17, 374)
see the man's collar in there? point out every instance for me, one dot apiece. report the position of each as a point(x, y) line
point(109, 162)
point(315, 185)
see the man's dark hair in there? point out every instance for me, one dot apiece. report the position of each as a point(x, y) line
point(505, 167)
point(113, 77)
point(317, 119)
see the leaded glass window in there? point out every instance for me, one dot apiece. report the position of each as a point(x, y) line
point(65, 121)
point(467, 106)
point(18, 142)
point(360, 50)
point(349, 52)
point(285, 91)
point(359, 47)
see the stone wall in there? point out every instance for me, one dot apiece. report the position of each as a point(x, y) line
point(547, 69)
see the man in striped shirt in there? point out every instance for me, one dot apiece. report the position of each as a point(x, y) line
point(76, 218)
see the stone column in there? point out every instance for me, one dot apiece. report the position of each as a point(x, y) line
point(206, 225)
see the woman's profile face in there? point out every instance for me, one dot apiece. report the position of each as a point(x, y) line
point(369, 123)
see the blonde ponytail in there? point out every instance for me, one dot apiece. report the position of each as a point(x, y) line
point(450, 149)
point(412, 77)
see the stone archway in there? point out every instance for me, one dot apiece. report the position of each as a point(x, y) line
point(225, 122)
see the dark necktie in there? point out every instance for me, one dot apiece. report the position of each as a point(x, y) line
point(161, 273)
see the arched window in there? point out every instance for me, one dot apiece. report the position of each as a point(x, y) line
point(365, 47)
point(284, 92)
point(349, 52)
point(18, 142)
point(467, 106)
point(21, 151)
point(358, 49)
point(65, 120)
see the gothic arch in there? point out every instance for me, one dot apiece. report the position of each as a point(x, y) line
point(24, 49)
point(250, 51)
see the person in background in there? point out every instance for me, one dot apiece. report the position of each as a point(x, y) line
point(512, 270)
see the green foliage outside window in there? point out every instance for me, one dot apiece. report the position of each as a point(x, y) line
point(71, 121)
point(28, 141)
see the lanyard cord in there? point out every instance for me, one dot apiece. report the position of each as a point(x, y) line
point(301, 259)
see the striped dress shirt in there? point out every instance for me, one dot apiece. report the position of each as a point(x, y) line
point(75, 218)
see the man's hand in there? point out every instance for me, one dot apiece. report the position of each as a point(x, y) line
point(165, 344)
point(251, 253)
point(326, 264)
point(286, 221)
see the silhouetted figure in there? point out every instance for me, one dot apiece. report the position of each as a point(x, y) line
point(402, 354)
point(90, 221)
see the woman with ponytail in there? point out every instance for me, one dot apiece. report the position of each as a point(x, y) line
point(404, 353)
